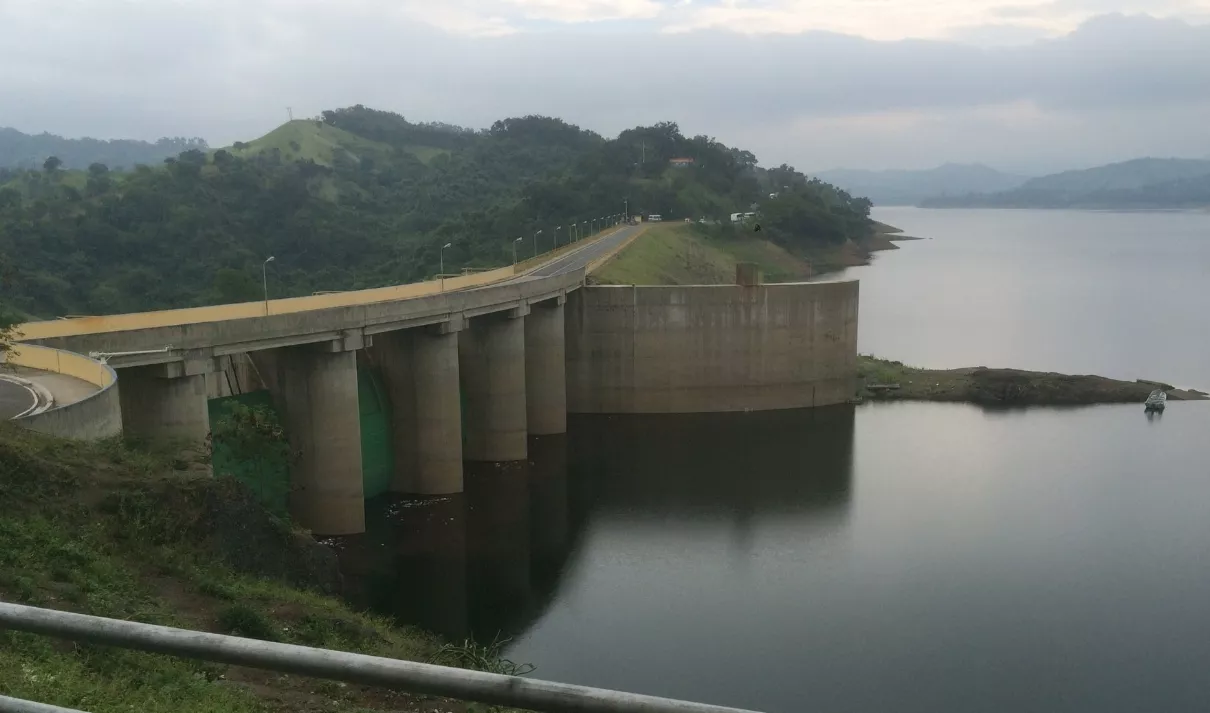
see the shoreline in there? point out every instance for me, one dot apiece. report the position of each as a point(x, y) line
point(1002, 387)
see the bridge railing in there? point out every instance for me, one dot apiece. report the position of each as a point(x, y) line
point(428, 679)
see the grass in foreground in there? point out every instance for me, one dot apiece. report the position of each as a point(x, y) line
point(108, 530)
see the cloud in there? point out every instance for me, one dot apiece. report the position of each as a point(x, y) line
point(901, 19)
point(227, 70)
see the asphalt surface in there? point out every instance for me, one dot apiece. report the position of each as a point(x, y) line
point(14, 399)
point(580, 258)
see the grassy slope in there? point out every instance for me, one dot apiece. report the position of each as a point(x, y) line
point(679, 254)
point(319, 142)
point(107, 530)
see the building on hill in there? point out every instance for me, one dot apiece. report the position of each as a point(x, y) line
point(681, 162)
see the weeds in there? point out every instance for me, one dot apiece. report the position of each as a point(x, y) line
point(481, 657)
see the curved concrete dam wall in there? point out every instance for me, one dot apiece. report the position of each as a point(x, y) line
point(701, 349)
point(92, 418)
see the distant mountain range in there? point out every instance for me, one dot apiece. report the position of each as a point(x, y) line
point(18, 150)
point(902, 187)
point(1140, 183)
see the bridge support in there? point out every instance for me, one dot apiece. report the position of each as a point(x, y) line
point(546, 369)
point(420, 368)
point(491, 358)
point(166, 401)
point(317, 391)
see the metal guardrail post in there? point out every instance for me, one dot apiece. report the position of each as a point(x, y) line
point(490, 688)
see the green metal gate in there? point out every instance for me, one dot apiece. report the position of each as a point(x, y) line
point(268, 474)
point(377, 452)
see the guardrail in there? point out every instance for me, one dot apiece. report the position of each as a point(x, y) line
point(477, 686)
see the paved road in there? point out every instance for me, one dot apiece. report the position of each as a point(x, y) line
point(580, 258)
point(15, 399)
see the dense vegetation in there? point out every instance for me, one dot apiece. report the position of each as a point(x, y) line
point(18, 150)
point(1141, 183)
point(362, 198)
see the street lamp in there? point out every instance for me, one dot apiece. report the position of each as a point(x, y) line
point(515, 249)
point(557, 228)
point(441, 262)
point(626, 207)
point(264, 273)
point(536, 242)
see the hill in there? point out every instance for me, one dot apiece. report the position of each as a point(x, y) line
point(364, 198)
point(1140, 183)
point(902, 187)
point(18, 150)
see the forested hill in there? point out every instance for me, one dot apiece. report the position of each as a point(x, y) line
point(18, 150)
point(363, 198)
point(1140, 183)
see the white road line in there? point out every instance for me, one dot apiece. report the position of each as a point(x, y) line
point(33, 394)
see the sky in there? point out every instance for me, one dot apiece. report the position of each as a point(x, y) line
point(1023, 85)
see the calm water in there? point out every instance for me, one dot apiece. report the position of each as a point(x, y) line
point(899, 557)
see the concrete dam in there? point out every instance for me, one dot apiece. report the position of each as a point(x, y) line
point(393, 389)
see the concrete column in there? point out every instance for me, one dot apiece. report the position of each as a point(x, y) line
point(420, 369)
point(546, 370)
point(165, 402)
point(491, 359)
point(318, 397)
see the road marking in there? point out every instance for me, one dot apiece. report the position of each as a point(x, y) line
point(32, 393)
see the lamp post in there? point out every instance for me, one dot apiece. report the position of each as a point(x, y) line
point(264, 273)
point(557, 228)
point(441, 262)
point(515, 249)
point(536, 242)
point(626, 207)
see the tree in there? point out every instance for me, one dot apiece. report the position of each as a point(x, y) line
point(51, 164)
point(235, 286)
point(8, 328)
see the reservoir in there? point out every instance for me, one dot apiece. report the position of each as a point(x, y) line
point(881, 557)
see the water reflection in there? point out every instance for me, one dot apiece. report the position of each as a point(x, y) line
point(488, 563)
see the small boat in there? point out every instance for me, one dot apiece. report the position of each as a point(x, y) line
point(1156, 401)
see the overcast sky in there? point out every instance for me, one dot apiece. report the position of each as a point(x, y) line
point(1027, 85)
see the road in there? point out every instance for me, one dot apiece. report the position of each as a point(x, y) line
point(15, 399)
point(580, 258)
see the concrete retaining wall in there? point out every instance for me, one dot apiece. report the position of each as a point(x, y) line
point(711, 348)
point(93, 418)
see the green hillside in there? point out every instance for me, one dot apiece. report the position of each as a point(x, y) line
point(365, 198)
point(1140, 183)
point(304, 139)
point(691, 254)
point(25, 151)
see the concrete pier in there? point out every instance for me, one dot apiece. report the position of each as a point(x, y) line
point(546, 369)
point(420, 370)
point(491, 357)
point(165, 402)
point(317, 394)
